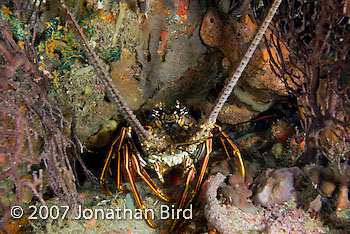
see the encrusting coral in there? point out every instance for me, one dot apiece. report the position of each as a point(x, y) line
point(227, 218)
point(270, 188)
point(259, 89)
point(169, 56)
point(32, 142)
point(329, 180)
point(320, 44)
point(276, 186)
point(237, 190)
point(231, 36)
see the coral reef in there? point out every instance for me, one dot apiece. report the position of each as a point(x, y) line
point(276, 186)
point(259, 86)
point(226, 218)
point(59, 56)
point(33, 144)
point(320, 55)
point(319, 42)
point(329, 180)
point(153, 55)
point(173, 48)
point(77, 81)
point(95, 199)
point(54, 110)
point(237, 190)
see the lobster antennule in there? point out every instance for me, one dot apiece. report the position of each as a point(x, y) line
point(108, 83)
point(212, 116)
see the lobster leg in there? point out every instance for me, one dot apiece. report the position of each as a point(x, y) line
point(190, 176)
point(231, 148)
point(129, 171)
point(145, 177)
point(118, 141)
point(209, 148)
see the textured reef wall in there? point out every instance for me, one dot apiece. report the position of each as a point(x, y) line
point(318, 35)
point(33, 146)
point(56, 116)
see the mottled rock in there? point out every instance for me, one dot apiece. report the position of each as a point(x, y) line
point(276, 186)
point(231, 39)
point(122, 75)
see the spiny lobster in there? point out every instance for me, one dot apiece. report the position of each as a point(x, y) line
point(173, 139)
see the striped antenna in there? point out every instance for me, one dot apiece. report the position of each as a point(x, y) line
point(211, 117)
point(112, 90)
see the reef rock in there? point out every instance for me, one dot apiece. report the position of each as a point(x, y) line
point(232, 38)
point(238, 192)
point(226, 218)
point(276, 186)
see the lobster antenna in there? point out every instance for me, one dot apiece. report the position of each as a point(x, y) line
point(211, 117)
point(108, 83)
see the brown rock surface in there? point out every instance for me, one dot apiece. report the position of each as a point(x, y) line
point(232, 39)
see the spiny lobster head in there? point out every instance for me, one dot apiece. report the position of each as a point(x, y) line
point(174, 123)
point(175, 126)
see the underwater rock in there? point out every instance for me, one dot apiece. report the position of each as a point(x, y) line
point(315, 205)
point(230, 113)
point(123, 78)
point(226, 218)
point(238, 191)
point(84, 95)
point(103, 136)
point(276, 186)
point(259, 86)
point(232, 39)
point(169, 48)
point(327, 188)
point(323, 178)
point(282, 131)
